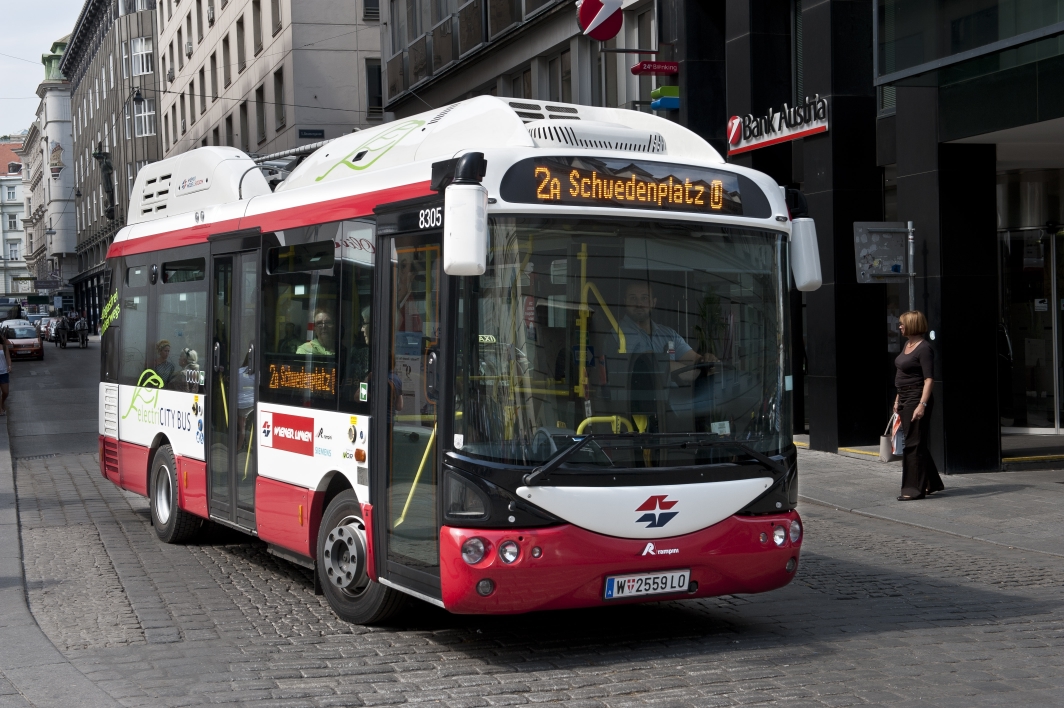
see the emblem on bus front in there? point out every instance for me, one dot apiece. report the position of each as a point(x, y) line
point(657, 502)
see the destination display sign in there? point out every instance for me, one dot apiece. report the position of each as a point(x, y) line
point(621, 183)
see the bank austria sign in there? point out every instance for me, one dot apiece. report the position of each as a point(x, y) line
point(788, 123)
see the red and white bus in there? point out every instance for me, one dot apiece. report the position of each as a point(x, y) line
point(501, 356)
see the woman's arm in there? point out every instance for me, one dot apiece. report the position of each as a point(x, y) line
point(925, 396)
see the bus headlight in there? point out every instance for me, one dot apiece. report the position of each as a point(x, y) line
point(473, 550)
point(509, 551)
point(796, 531)
point(779, 536)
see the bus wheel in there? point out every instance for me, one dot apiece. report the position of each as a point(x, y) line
point(341, 557)
point(172, 524)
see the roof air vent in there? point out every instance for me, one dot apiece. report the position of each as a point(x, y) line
point(596, 135)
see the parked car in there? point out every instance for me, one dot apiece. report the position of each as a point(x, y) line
point(48, 328)
point(24, 342)
point(16, 323)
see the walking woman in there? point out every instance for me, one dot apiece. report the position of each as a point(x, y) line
point(914, 381)
point(5, 370)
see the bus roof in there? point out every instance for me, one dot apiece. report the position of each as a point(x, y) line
point(216, 189)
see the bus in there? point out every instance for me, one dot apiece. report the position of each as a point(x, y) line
point(503, 356)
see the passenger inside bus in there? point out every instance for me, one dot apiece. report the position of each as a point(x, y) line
point(163, 366)
point(291, 341)
point(324, 341)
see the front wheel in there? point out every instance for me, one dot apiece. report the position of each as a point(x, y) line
point(172, 524)
point(342, 558)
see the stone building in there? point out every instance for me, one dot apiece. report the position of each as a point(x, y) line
point(267, 75)
point(48, 184)
point(14, 278)
point(112, 66)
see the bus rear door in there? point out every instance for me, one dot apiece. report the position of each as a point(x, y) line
point(234, 374)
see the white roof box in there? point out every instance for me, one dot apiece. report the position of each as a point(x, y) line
point(594, 134)
point(193, 181)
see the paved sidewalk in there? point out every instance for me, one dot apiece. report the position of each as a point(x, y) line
point(32, 671)
point(1021, 509)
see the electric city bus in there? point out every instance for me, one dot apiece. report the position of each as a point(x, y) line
point(501, 356)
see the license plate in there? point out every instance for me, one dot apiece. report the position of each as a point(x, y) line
point(639, 584)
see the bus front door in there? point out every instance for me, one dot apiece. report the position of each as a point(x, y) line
point(407, 401)
point(233, 392)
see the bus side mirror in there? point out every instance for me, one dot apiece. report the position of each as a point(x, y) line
point(805, 255)
point(465, 218)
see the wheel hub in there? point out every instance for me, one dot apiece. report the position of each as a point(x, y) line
point(163, 499)
point(345, 556)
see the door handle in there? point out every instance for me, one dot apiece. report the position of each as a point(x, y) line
point(432, 388)
point(251, 359)
point(217, 358)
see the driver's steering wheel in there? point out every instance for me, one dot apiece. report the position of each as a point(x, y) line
point(699, 365)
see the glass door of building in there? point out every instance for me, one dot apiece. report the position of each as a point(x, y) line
point(1029, 343)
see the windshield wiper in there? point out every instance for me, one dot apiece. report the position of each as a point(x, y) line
point(559, 459)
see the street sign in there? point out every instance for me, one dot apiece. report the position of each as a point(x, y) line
point(312, 133)
point(656, 68)
point(48, 284)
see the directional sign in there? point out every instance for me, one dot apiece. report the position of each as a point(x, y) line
point(666, 98)
point(656, 68)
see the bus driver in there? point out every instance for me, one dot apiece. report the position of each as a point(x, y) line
point(643, 335)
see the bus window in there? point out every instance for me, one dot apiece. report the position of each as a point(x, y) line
point(181, 315)
point(134, 337)
point(301, 346)
point(357, 248)
point(137, 276)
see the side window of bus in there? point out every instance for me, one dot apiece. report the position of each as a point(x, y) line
point(357, 249)
point(180, 322)
point(133, 332)
point(109, 320)
point(301, 346)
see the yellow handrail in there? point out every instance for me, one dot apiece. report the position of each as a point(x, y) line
point(420, 469)
point(614, 420)
point(585, 311)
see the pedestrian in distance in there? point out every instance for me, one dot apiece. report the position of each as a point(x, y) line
point(81, 327)
point(63, 329)
point(5, 371)
point(914, 380)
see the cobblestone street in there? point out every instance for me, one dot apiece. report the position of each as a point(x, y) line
point(880, 612)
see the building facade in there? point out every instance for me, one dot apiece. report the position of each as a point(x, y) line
point(440, 51)
point(112, 66)
point(970, 137)
point(48, 184)
point(14, 277)
point(266, 75)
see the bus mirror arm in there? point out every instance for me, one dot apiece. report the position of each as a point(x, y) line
point(465, 218)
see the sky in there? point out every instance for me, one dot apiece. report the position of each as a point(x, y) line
point(32, 26)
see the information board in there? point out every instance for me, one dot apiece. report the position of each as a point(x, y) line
point(880, 251)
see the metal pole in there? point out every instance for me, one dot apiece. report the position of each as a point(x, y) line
point(912, 268)
point(1054, 309)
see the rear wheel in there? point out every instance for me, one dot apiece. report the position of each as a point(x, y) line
point(342, 566)
point(172, 524)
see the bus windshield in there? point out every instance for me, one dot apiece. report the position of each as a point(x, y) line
point(623, 326)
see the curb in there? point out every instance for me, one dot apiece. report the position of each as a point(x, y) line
point(869, 515)
point(28, 659)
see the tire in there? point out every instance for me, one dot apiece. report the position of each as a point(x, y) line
point(172, 524)
point(341, 566)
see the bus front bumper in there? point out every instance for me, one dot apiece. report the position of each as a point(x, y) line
point(571, 565)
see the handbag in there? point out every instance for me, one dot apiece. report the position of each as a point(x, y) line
point(889, 446)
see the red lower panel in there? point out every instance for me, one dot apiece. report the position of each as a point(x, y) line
point(726, 558)
point(283, 514)
point(133, 467)
point(109, 458)
point(371, 560)
point(192, 486)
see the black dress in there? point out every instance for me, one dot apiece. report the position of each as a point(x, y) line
point(919, 473)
